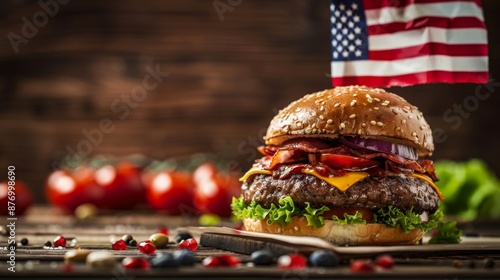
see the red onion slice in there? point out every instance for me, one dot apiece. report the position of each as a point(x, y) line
point(380, 146)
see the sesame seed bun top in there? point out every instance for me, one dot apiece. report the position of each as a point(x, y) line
point(353, 111)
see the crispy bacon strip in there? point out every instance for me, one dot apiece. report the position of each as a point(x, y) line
point(286, 156)
point(428, 165)
point(306, 145)
point(286, 170)
point(300, 151)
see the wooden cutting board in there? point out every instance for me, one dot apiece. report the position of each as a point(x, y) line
point(247, 242)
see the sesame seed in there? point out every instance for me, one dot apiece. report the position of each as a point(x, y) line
point(353, 102)
point(299, 124)
point(322, 108)
point(410, 117)
point(355, 95)
point(385, 103)
point(336, 105)
point(380, 124)
point(403, 121)
point(394, 111)
point(376, 99)
point(321, 117)
point(342, 125)
point(352, 116)
point(313, 125)
point(406, 109)
point(315, 130)
point(368, 96)
point(373, 122)
point(422, 127)
point(329, 121)
point(360, 131)
point(398, 128)
point(370, 100)
point(363, 124)
point(338, 94)
point(296, 228)
point(298, 110)
point(414, 134)
point(376, 108)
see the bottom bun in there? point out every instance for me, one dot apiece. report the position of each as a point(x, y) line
point(361, 235)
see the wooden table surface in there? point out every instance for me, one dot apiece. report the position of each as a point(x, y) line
point(33, 261)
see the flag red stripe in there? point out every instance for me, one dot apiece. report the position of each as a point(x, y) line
point(415, 78)
point(370, 4)
point(448, 23)
point(430, 49)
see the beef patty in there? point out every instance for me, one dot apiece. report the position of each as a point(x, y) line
point(401, 191)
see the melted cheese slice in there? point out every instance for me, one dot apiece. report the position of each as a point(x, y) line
point(254, 170)
point(342, 183)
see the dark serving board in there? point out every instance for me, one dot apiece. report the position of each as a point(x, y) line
point(247, 242)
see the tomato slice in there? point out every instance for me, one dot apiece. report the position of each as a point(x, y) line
point(346, 162)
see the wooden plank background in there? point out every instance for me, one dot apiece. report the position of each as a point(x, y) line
point(227, 79)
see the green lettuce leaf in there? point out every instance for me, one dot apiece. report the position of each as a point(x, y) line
point(434, 220)
point(314, 216)
point(283, 212)
point(407, 220)
point(355, 219)
point(394, 217)
point(241, 210)
point(470, 188)
point(447, 233)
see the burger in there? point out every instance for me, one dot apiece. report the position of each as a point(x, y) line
point(344, 164)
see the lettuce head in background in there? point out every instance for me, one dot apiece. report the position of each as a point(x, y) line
point(470, 189)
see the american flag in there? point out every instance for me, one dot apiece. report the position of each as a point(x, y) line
point(384, 43)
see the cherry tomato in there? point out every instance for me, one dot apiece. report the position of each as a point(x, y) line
point(22, 198)
point(169, 191)
point(205, 171)
point(68, 190)
point(214, 190)
point(346, 162)
point(362, 266)
point(148, 177)
point(122, 186)
point(385, 261)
